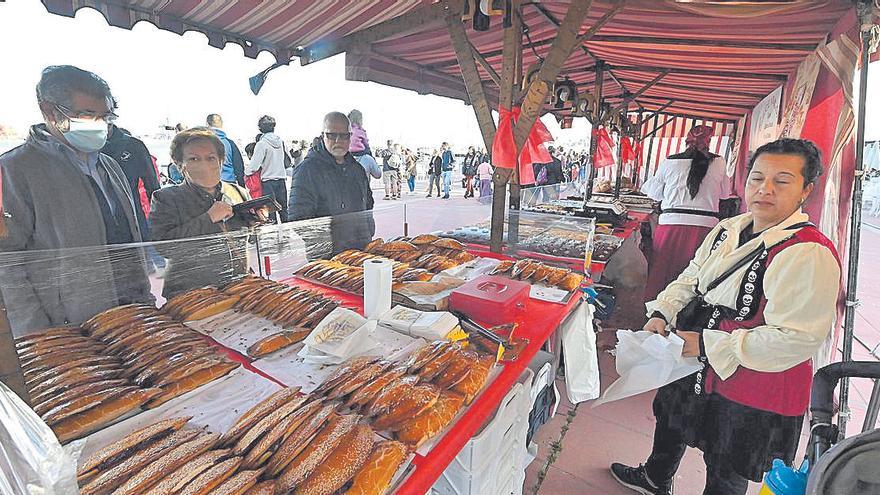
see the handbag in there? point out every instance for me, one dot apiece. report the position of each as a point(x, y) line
point(254, 184)
point(695, 316)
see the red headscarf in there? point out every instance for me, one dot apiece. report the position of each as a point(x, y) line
point(699, 137)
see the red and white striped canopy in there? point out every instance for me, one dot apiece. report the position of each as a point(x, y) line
point(277, 26)
point(723, 59)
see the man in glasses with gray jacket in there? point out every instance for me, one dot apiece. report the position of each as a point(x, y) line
point(69, 211)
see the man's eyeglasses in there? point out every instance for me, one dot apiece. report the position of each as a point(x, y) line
point(337, 136)
point(108, 117)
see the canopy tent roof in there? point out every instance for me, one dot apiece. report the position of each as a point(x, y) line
point(721, 60)
point(276, 26)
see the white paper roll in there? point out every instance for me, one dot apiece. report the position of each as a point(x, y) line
point(377, 288)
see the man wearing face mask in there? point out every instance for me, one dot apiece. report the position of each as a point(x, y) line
point(331, 183)
point(199, 208)
point(60, 192)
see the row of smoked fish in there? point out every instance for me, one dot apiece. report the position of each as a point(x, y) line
point(539, 273)
point(318, 444)
point(80, 379)
point(295, 309)
point(415, 259)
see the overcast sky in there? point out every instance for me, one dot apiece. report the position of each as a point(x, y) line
point(160, 77)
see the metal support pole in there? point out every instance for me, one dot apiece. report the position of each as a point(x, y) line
point(620, 152)
point(650, 147)
point(873, 407)
point(597, 120)
point(852, 300)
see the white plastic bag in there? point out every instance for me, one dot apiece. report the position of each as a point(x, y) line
point(32, 462)
point(647, 361)
point(581, 357)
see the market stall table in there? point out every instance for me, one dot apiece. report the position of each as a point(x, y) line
point(536, 324)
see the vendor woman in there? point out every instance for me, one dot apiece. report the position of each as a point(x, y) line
point(200, 206)
point(755, 305)
point(689, 186)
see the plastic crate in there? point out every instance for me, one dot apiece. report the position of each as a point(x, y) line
point(495, 454)
point(541, 410)
point(543, 379)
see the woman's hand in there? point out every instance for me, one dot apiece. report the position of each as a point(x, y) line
point(220, 211)
point(691, 343)
point(656, 325)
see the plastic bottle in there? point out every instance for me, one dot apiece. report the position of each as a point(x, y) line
point(785, 480)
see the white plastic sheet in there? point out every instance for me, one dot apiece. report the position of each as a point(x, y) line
point(32, 461)
point(647, 361)
point(580, 354)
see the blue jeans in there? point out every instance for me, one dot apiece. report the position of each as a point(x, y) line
point(411, 182)
point(447, 182)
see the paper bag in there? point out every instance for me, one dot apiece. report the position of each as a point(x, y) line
point(341, 335)
point(647, 361)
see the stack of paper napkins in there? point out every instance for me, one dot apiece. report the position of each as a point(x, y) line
point(341, 335)
point(430, 325)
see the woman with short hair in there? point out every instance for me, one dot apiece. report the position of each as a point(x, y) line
point(200, 206)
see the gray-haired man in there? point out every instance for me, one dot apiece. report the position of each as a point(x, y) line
point(61, 193)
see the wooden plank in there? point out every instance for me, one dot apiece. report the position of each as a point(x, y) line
point(656, 112)
point(413, 21)
point(629, 97)
point(567, 39)
point(471, 76)
point(594, 143)
point(702, 72)
point(512, 49)
point(485, 64)
point(749, 45)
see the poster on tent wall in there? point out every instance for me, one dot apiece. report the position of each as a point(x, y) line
point(765, 120)
point(798, 102)
point(733, 158)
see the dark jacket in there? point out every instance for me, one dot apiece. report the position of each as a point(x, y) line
point(554, 172)
point(323, 188)
point(435, 167)
point(132, 155)
point(55, 265)
point(216, 256)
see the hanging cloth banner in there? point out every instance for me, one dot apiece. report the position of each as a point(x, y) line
point(534, 150)
point(604, 148)
point(627, 151)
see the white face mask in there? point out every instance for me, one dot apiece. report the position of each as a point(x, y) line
point(86, 136)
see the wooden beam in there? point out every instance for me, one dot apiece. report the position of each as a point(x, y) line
point(407, 23)
point(629, 97)
point(599, 24)
point(702, 72)
point(733, 118)
point(567, 39)
point(665, 84)
point(653, 101)
point(472, 82)
point(512, 46)
point(655, 113)
point(752, 45)
point(661, 126)
point(485, 65)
